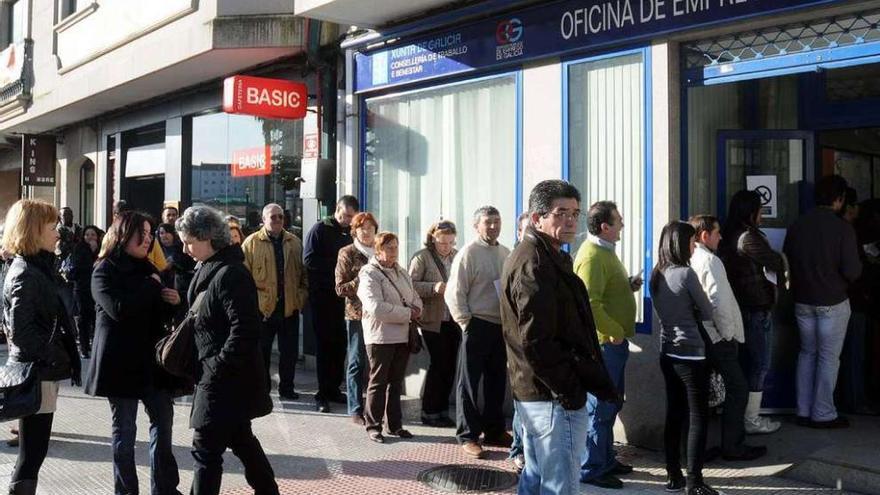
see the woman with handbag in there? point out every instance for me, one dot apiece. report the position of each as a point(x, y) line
point(231, 389)
point(429, 270)
point(348, 264)
point(40, 330)
point(131, 307)
point(681, 307)
point(390, 305)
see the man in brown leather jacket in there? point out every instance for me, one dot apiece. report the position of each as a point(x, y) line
point(552, 349)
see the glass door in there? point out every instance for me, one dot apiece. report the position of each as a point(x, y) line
point(780, 166)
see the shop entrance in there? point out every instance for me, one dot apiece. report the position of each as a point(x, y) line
point(143, 177)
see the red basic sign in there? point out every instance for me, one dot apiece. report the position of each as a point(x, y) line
point(271, 98)
point(252, 162)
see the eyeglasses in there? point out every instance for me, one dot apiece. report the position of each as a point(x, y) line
point(573, 216)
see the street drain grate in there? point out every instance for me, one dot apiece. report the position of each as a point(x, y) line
point(467, 478)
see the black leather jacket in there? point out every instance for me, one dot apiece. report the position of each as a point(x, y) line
point(746, 253)
point(38, 317)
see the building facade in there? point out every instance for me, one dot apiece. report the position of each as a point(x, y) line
point(667, 107)
point(132, 92)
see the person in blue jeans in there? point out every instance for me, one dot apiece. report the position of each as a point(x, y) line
point(349, 263)
point(614, 308)
point(552, 347)
point(132, 306)
point(824, 258)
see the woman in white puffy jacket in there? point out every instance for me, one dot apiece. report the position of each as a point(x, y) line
point(390, 303)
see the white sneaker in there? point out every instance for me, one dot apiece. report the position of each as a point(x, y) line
point(761, 425)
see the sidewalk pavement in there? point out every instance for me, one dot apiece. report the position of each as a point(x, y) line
point(315, 453)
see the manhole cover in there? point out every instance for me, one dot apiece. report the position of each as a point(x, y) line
point(467, 478)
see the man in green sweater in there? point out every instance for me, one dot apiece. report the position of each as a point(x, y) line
point(610, 289)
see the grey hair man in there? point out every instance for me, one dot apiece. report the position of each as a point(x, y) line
point(552, 344)
point(274, 258)
point(472, 298)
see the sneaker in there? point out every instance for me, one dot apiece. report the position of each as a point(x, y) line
point(702, 490)
point(376, 436)
point(761, 426)
point(518, 462)
point(607, 480)
point(502, 439)
point(401, 433)
point(838, 422)
point(472, 449)
point(675, 483)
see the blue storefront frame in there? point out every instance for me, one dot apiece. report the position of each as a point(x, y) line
point(647, 194)
point(446, 83)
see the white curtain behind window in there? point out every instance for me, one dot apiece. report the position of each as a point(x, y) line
point(606, 147)
point(442, 153)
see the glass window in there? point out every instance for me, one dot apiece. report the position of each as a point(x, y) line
point(68, 7)
point(241, 163)
point(16, 21)
point(606, 146)
point(442, 153)
point(87, 202)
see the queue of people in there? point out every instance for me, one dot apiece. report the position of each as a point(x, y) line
point(556, 328)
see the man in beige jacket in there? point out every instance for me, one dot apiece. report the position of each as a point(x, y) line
point(274, 257)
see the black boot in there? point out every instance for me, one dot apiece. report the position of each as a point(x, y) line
point(23, 487)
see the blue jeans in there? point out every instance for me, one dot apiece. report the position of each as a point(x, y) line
point(554, 441)
point(357, 366)
point(516, 447)
point(164, 477)
point(822, 331)
point(600, 457)
point(758, 347)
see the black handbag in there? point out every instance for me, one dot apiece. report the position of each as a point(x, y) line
point(20, 393)
point(176, 351)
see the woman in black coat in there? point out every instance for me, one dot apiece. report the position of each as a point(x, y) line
point(231, 389)
point(181, 267)
point(131, 305)
point(40, 328)
point(80, 265)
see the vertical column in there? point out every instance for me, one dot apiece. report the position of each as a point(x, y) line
point(173, 159)
point(542, 124)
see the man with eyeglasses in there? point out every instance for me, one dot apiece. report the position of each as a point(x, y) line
point(321, 250)
point(472, 296)
point(614, 309)
point(274, 258)
point(551, 342)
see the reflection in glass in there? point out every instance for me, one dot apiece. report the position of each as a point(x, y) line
point(219, 139)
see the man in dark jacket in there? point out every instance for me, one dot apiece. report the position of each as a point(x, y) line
point(320, 251)
point(824, 262)
point(552, 349)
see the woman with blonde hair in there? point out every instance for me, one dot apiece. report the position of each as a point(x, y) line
point(390, 303)
point(40, 327)
point(429, 270)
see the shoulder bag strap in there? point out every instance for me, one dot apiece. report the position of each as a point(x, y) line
point(440, 265)
point(405, 303)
